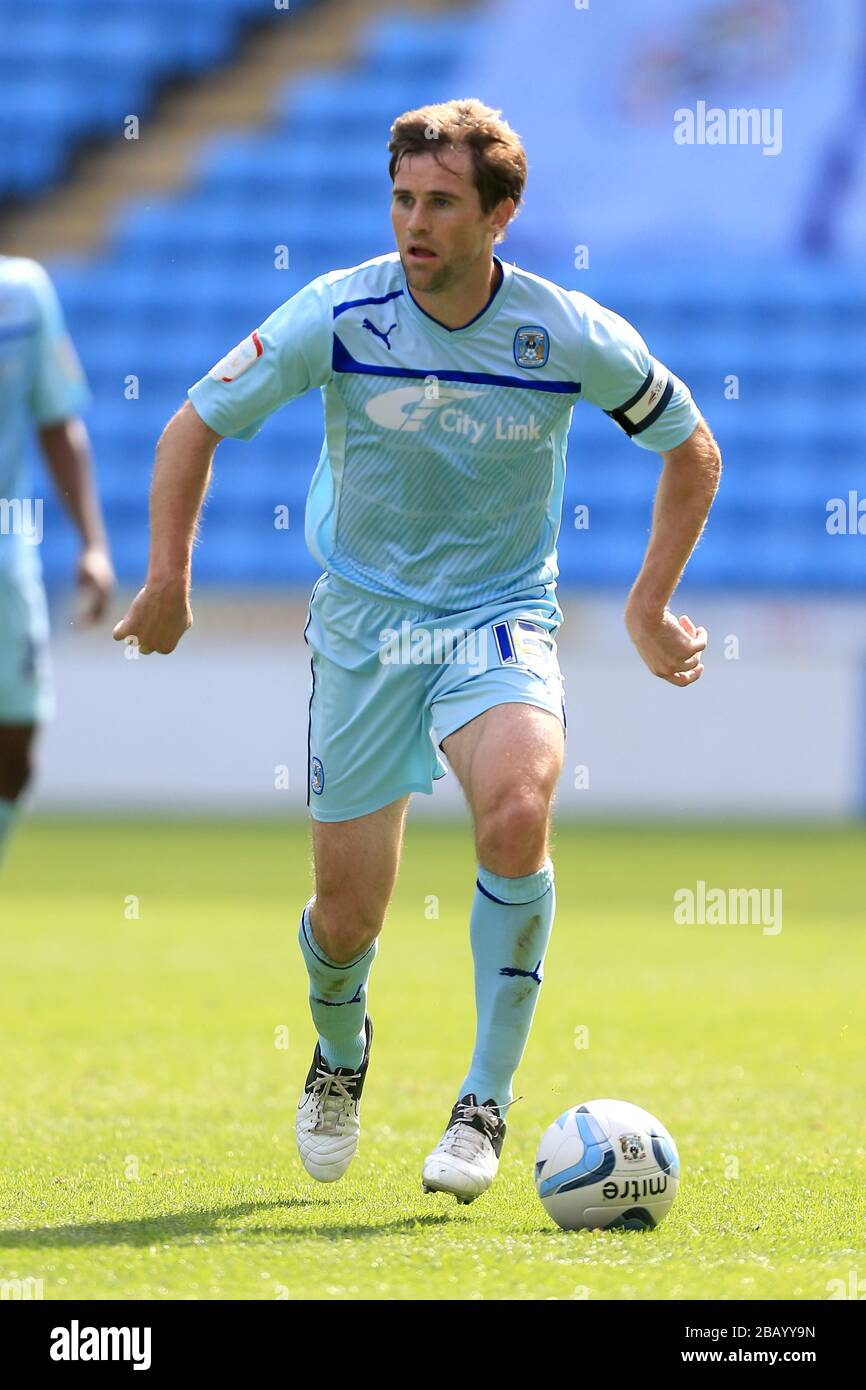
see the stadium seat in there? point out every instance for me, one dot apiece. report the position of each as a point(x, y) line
point(186, 277)
point(69, 73)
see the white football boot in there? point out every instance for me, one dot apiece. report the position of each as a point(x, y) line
point(328, 1124)
point(466, 1158)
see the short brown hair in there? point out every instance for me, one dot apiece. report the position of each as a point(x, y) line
point(498, 157)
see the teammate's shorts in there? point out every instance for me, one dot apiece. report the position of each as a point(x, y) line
point(26, 695)
point(390, 683)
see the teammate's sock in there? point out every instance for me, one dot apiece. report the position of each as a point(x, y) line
point(338, 998)
point(509, 931)
point(8, 810)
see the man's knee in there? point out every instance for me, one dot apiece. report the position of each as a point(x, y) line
point(343, 926)
point(511, 834)
point(16, 761)
point(355, 869)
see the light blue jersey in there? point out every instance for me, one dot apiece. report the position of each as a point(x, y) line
point(441, 475)
point(41, 383)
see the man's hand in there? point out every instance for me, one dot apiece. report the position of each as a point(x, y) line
point(94, 578)
point(158, 617)
point(671, 648)
point(160, 614)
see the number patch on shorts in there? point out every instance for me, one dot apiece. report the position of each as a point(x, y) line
point(522, 643)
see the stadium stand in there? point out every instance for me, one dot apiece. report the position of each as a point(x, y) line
point(184, 278)
point(70, 72)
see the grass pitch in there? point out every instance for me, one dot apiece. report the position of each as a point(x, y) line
point(156, 1035)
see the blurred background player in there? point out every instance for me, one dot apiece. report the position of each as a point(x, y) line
point(42, 386)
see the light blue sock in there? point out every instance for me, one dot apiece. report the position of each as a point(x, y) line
point(509, 931)
point(338, 998)
point(8, 811)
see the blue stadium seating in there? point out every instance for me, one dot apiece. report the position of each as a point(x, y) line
point(186, 277)
point(70, 71)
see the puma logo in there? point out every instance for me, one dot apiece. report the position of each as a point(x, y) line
point(341, 1003)
point(527, 974)
point(378, 331)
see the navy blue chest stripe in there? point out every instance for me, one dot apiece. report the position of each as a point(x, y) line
point(356, 303)
point(343, 361)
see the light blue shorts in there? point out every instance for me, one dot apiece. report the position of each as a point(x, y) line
point(26, 695)
point(390, 683)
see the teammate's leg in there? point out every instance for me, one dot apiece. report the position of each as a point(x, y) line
point(508, 761)
point(16, 748)
point(355, 867)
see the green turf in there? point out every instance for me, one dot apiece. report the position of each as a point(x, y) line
point(146, 1115)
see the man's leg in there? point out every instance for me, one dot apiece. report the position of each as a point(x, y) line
point(16, 746)
point(508, 761)
point(355, 868)
point(25, 686)
point(355, 865)
point(368, 749)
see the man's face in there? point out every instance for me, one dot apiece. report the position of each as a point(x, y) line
point(439, 226)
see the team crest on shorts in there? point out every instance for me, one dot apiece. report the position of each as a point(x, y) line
point(531, 346)
point(632, 1146)
point(317, 776)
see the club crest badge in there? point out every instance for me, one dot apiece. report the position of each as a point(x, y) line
point(531, 346)
point(632, 1146)
point(317, 776)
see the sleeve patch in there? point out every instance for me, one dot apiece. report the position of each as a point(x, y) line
point(236, 362)
point(647, 404)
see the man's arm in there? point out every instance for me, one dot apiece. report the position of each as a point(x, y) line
point(160, 613)
point(66, 448)
point(671, 648)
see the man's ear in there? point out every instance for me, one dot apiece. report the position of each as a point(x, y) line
point(501, 215)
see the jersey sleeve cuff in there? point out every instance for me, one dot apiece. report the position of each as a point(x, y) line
point(208, 411)
point(677, 422)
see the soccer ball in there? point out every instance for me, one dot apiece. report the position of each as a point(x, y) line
point(607, 1164)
